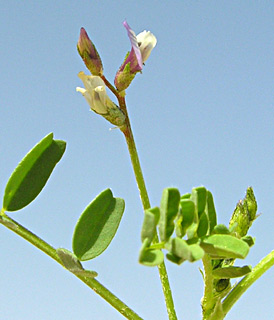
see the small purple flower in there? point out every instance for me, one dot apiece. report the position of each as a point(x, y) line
point(141, 47)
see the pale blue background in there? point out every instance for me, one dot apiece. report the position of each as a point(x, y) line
point(202, 114)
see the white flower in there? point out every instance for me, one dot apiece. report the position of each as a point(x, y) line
point(146, 41)
point(95, 93)
point(98, 100)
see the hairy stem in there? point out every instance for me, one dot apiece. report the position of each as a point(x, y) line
point(95, 285)
point(126, 129)
point(266, 263)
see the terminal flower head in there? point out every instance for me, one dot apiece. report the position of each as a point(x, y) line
point(141, 47)
point(98, 100)
point(89, 54)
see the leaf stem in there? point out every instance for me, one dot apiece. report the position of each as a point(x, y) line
point(126, 129)
point(95, 285)
point(266, 263)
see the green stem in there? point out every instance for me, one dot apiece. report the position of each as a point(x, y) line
point(208, 300)
point(266, 263)
point(110, 86)
point(126, 129)
point(95, 285)
point(135, 162)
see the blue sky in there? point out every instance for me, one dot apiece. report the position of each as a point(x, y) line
point(202, 113)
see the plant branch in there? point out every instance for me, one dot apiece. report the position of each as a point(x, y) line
point(266, 263)
point(95, 285)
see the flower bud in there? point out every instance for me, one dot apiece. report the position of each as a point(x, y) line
point(98, 100)
point(89, 54)
point(244, 214)
point(141, 47)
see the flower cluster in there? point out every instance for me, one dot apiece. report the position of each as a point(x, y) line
point(95, 89)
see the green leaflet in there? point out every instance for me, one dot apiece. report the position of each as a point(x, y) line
point(249, 240)
point(151, 218)
point(168, 211)
point(210, 211)
point(150, 257)
point(180, 251)
point(185, 217)
point(199, 197)
point(97, 225)
point(32, 173)
point(223, 246)
point(231, 272)
point(220, 229)
point(202, 226)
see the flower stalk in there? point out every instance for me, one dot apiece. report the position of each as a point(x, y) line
point(146, 204)
point(126, 129)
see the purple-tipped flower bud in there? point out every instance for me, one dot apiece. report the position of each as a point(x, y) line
point(89, 54)
point(141, 47)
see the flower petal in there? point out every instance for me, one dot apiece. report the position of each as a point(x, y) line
point(90, 82)
point(134, 44)
point(99, 100)
point(86, 95)
point(94, 92)
point(146, 41)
